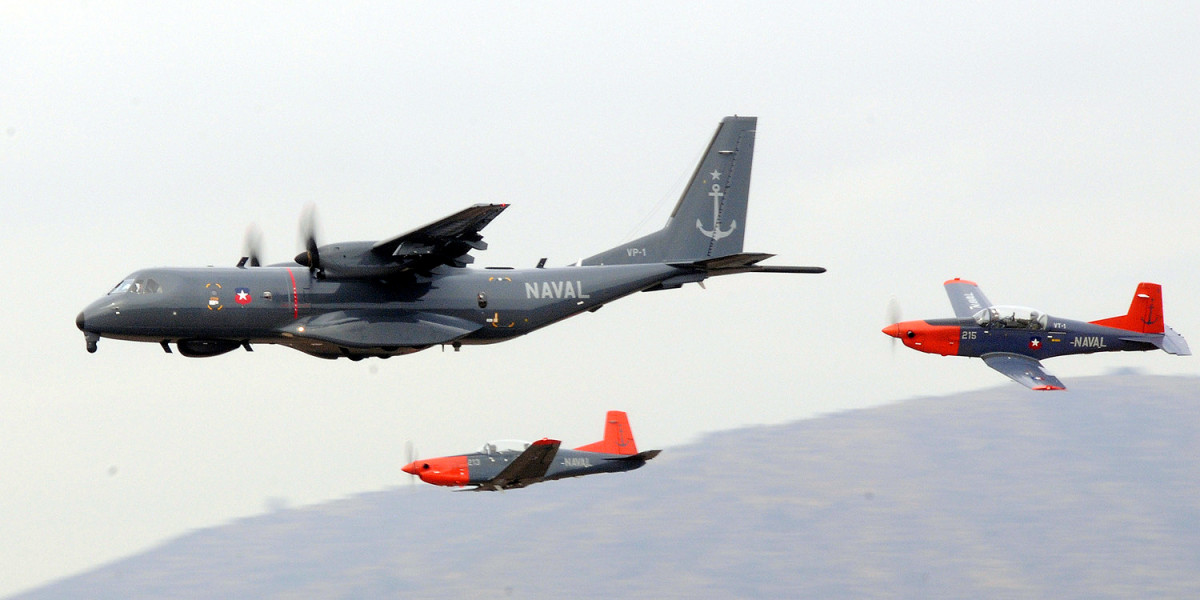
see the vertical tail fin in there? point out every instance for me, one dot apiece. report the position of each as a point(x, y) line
point(618, 437)
point(1145, 312)
point(710, 218)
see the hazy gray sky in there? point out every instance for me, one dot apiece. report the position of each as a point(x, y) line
point(1048, 153)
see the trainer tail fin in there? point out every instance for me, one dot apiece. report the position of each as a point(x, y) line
point(618, 437)
point(710, 218)
point(1145, 312)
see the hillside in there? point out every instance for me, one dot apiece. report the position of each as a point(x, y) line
point(1002, 493)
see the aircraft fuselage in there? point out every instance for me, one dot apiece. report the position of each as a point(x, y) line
point(223, 308)
point(479, 468)
point(965, 337)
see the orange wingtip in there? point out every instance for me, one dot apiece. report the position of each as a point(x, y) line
point(1046, 388)
point(957, 280)
point(545, 442)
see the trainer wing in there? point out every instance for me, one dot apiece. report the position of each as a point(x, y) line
point(1023, 370)
point(447, 241)
point(528, 467)
point(966, 297)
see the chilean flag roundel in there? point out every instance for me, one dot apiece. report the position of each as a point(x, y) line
point(242, 295)
point(1035, 343)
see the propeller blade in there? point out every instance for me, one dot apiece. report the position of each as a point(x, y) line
point(410, 456)
point(893, 311)
point(893, 316)
point(252, 245)
point(311, 256)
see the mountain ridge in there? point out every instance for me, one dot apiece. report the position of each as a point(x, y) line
point(1003, 492)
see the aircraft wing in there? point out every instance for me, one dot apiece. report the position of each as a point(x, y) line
point(529, 467)
point(966, 297)
point(362, 329)
point(444, 242)
point(1023, 370)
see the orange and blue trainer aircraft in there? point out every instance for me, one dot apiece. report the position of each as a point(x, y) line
point(509, 464)
point(1013, 339)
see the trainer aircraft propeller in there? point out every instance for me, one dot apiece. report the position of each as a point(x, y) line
point(414, 291)
point(512, 464)
point(1014, 339)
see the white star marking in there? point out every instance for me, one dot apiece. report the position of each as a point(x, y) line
point(715, 175)
point(243, 296)
point(1035, 343)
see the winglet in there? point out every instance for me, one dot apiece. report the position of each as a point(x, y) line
point(1145, 312)
point(618, 437)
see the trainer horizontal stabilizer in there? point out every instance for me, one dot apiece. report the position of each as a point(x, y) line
point(640, 456)
point(1174, 343)
point(1168, 341)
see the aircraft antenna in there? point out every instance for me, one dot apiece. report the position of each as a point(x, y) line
point(680, 183)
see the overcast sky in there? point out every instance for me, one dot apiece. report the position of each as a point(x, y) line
point(1051, 154)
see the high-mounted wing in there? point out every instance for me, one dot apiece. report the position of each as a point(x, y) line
point(444, 242)
point(528, 467)
point(966, 297)
point(1023, 370)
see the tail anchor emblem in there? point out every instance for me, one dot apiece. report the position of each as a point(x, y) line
point(716, 232)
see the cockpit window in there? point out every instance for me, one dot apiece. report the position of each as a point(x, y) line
point(138, 285)
point(1013, 317)
point(498, 446)
point(122, 287)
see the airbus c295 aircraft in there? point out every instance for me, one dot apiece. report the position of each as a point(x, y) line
point(414, 291)
point(517, 464)
point(1013, 339)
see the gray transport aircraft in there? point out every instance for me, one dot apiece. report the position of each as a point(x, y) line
point(414, 291)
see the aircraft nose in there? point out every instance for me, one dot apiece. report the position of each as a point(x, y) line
point(410, 468)
point(79, 321)
point(892, 330)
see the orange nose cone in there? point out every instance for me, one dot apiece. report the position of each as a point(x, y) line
point(410, 468)
point(892, 330)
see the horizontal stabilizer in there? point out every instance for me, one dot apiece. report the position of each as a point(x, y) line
point(642, 456)
point(1169, 341)
point(1174, 343)
point(746, 262)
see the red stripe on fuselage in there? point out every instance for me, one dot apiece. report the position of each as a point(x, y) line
point(295, 297)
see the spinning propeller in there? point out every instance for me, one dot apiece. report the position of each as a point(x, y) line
point(311, 257)
point(893, 317)
point(410, 457)
point(252, 245)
